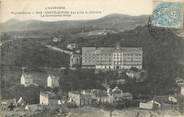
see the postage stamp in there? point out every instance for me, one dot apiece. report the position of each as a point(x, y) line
point(168, 15)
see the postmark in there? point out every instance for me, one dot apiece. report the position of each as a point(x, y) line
point(158, 32)
point(168, 15)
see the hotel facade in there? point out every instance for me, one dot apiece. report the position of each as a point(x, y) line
point(109, 58)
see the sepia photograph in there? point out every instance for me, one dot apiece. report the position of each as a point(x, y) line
point(79, 58)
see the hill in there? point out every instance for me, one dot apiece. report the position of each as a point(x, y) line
point(113, 21)
point(162, 56)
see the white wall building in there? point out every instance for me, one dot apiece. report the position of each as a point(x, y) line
point(110, 58)
point(72, 46)
point(26, 80)
point(182, 90)
point(149, 105)
point(52, 81)
point(48, 98)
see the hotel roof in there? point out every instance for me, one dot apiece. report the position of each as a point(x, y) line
point(109, 49)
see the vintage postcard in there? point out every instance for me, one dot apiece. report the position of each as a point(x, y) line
point(79, 58)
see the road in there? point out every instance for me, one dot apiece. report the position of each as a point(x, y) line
point(59, 49)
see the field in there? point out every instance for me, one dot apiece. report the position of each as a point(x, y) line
point(94, 112)
point(125, 113)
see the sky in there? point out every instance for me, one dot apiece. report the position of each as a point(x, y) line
point(87, 9)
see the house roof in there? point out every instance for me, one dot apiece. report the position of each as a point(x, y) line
point(53, 77)
point(162, 99)
point(116, 90)
point(51, 95)
point(99, 93)
point(93, 92)
point(82, 95)
point(179, 81)
point(108, 50)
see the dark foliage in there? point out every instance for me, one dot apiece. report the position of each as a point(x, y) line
point(162, 59)
point(29, 94)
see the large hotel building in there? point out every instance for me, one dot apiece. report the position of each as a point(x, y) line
point(110, 58)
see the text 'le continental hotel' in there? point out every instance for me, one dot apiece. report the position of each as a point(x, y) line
point(112, 58)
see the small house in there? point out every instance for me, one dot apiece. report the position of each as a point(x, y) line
point(138, 75)
point(160, 102)
point(21, 102)
point(48, 98)
point(52, 81)
point(101, 96)
point(55, 39)
point(181, 89)
point(26, 80)
point(33, 78)
point(72, 46)
point(80, 99)
point(179, 81)
point(118, 94)
point(166, 102)
point(149, 105)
